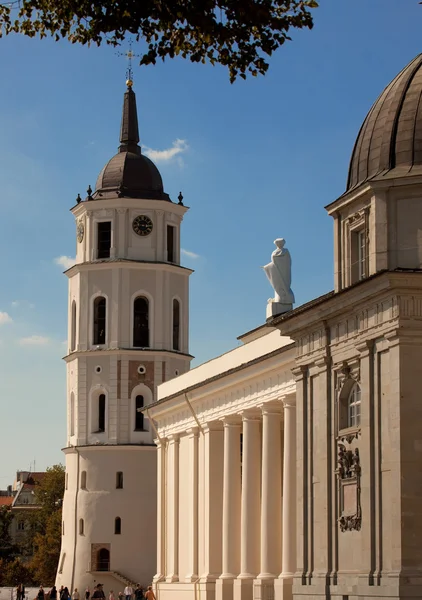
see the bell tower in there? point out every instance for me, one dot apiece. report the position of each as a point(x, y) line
point(128, 332)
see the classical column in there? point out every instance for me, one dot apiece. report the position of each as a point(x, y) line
point(231, 509)
point(284, 585)
point(270, 498)
point(161, 501)
point(212, 495)
point(173, 509)
point(251, 505)
point(193, 437)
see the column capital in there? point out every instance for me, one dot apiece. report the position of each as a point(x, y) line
point(323, 363)
point(173, 438)
point(251, 414)
point(231, 421)
point(160, 443)
point(192, 432)
point(212, 426)
point(365, 348)
point(300, 372)
point(271, 407)
point(289, 401)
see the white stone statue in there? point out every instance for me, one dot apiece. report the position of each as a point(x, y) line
point(279, 273)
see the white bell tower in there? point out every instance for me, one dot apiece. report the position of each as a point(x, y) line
point(128, 332)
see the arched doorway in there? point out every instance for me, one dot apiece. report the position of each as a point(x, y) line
point(103, 560)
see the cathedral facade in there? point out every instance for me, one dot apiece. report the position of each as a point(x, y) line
point(128, 332)
point(292, 468)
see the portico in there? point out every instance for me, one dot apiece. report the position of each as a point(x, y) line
point(227, 496)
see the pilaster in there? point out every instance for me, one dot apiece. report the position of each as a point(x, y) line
point(173, 510)
point(193, 437)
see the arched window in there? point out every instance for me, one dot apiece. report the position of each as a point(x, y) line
point(83, 480)
point(72, 414)
point(140, 323)
point(101, 413)
point(73, 327)
point(176, 324)
point(81, 526)
point(139, 417)
point(353, 407)
point(103, 560)
point(100, 314)
point(117, 526)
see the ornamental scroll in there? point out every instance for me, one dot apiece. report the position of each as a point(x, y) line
point(348, 473)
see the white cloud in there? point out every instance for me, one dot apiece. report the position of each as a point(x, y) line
point(178, 147)
point(15, 303)
point(5, 318)
point(34, 340)
point(189, 254)
point(65, 261)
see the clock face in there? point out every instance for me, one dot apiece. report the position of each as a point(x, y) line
point(142, 225)
point(80, 230)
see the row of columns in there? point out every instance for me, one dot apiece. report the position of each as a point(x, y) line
point(258, 509)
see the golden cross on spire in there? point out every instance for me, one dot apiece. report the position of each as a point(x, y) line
point(129, 54)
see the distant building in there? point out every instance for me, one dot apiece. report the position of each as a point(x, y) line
point(20, 497)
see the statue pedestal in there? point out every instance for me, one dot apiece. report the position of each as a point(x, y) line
point(277, 308)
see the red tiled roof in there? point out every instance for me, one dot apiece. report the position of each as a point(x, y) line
point(6, 500)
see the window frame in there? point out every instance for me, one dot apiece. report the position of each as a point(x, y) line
point(141, 296)
point(348, 388)
point(177, 347)
point(139, 415)
point(117, 526)
point(171, 243)
point(99, 223)
point(119, 480)
point(94, 326)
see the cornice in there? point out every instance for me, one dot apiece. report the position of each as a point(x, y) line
point(115, 263)
point(135, 352)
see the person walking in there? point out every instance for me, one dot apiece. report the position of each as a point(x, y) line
point(128, 592)
point(149, 594)
point(87, 593)
point(139, 592)
point(111, 595)
point(41, 594)
point(75, 595)
point(64, 594)
point(99, 593)
point(53, 593)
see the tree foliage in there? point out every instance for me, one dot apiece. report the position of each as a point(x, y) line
point(45, 538)
point(15, 572)
point(47, 550)
point(7, 549)
point(239, 34)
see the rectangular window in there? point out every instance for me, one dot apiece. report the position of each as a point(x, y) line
point(170, 243)
point(358, 255)
point(119, 480)
point(104, 239)
point(361, 254)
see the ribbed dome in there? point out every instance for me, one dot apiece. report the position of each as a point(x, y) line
point(134, 175)
point(129, 172)
point(389, 143)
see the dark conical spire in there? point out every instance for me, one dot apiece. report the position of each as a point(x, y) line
point(129, 133)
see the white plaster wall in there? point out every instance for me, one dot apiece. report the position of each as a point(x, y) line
point(133, 553)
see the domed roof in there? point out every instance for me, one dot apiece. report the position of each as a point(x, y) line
point(133, 175)
point(129, 172)
point(389, 143)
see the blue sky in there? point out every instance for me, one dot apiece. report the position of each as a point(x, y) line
point(255, 160)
